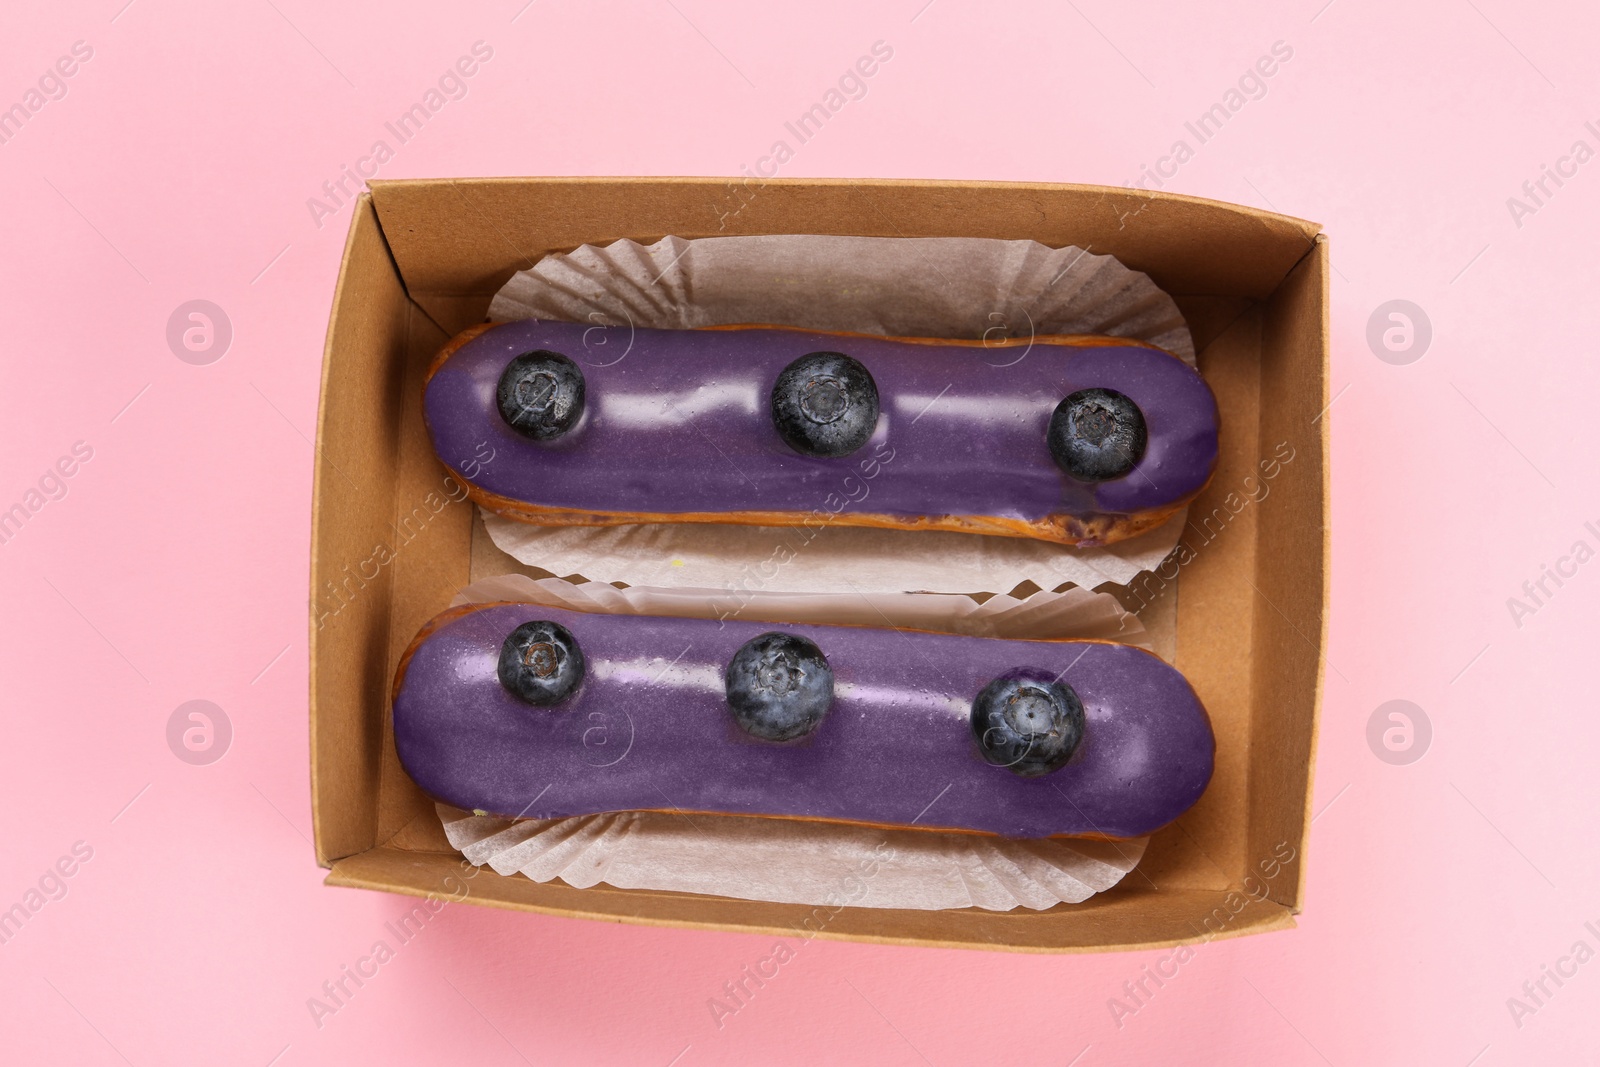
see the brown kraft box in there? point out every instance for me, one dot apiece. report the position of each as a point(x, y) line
point(391, 543)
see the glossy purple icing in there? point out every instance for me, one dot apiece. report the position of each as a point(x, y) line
point(679, 421)
point(649, 728)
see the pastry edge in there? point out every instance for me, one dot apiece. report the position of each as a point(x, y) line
point(1075, 531)
point(449, 615)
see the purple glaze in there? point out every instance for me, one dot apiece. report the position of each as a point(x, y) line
point(680, 421)
point(649, 728)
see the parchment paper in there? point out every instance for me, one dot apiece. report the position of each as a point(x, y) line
point(794, 861)
point(971, 288)
point(1071, 613)
point(935, 287)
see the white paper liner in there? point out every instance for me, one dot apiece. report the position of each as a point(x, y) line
point(795, 861)
point(737, 559)
point(957, 287)
point(1071, 613)
point(961, 287)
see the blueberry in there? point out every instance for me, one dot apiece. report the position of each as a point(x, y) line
point(779, 686)
point(541, 394)
point(1097, 434)
point(825, 404)
point(541, 663)
point(1026, 724)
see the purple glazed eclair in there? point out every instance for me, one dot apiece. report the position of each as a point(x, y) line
point(521, 710)
point(1076, 440)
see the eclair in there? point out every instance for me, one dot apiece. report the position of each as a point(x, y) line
point(520, 710)
point(1075, 440)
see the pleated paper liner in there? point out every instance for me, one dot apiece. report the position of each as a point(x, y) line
point(795, 861)
point(968, 288)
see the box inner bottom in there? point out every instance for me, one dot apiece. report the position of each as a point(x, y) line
point(1198, 854)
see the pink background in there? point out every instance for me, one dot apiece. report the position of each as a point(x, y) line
point(178, 166)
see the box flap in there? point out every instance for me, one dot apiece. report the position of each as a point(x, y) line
point(456, 241)
point(352, 502)
point(1126, 918)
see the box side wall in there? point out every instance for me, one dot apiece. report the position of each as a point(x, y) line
point(1205, 849)
point(352, 501)
point(457, 241)
point(1120, 920)
point(1292, 580)
point(430, 545)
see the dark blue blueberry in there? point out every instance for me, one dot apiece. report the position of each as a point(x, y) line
point(541, 394)
point(1097, 434)
point(1027, 724)
point(779, 686)
point(541, 663)
point(825, 404)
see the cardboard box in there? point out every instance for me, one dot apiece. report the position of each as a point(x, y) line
point(390, 547)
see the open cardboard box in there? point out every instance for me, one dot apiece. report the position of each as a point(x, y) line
point(390, 547)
